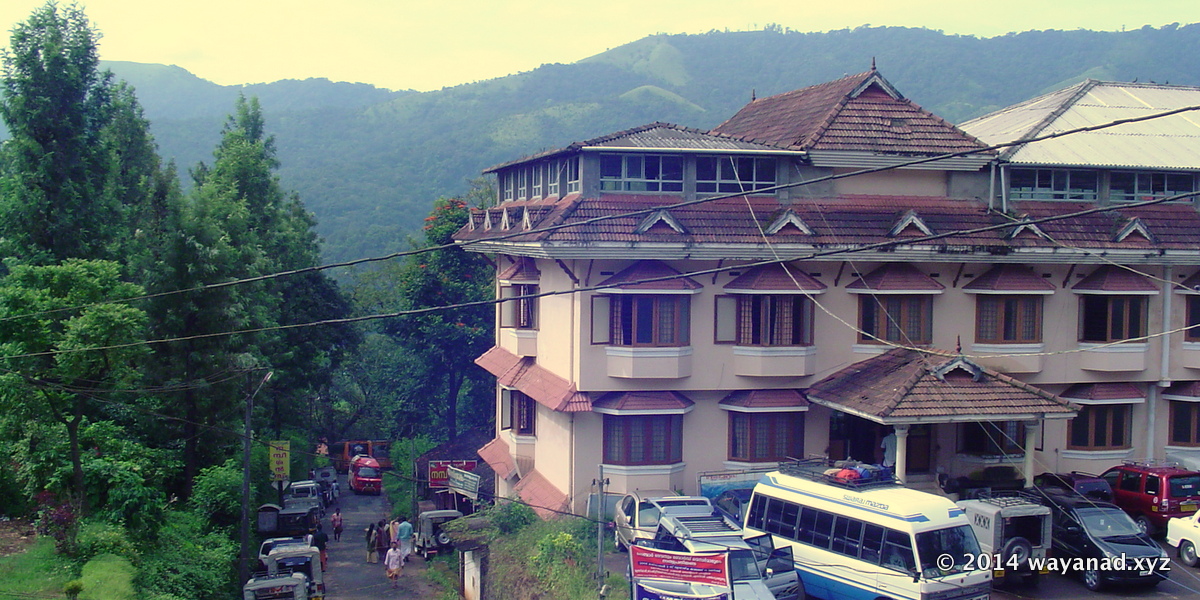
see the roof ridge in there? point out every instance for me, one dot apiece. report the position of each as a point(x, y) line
point(1084, 87)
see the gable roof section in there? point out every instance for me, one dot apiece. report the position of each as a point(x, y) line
point(1119, 392)
point(765, 401)
point(524, 270)
point(896, 278)
point(1169, 142)
point(664, 278)
point(526, 376)
point(862, 112)
point(778, 278)
point(643, 403)
point(1111, 279)
point(1010, 279)
point(907, 386)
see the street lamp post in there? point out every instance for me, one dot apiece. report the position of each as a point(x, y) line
point(244, 563)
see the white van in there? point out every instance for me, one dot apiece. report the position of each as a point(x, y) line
point(868, 537)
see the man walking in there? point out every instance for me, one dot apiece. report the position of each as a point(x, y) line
point(393, 564)
point(320, 540)
point(404, 535)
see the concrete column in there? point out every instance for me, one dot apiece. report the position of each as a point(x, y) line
point(901, 452)
point(1032, 429)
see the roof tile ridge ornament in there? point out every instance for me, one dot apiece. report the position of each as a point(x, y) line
point(1132, 226)
point(785, 218)
point(661, 215)
point(487, 219)
point(526, 221)
point(505, 222)
point(910, 219)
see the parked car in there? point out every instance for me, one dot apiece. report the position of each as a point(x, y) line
point(1086, 484)
point(1184, 534)
point(296, 520)
point(270, 544)
point(305, 502)
point(430, 539)
point(289, 586)
point(1087, 528)
point(1153, 492)
point(307, 488)
point(732, 504)
point(297, 558)
point(1014, 529)
point(636, 515)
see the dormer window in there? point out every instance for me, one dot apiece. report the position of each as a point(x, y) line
point(728, 174)
point(641, 173)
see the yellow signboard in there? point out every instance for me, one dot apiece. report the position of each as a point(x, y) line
point(281, 460)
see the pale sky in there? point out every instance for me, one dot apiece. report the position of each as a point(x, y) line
point(430, 44)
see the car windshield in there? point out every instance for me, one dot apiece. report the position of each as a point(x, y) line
point(958, 542)
point(1107, 522)
point(647, 515)
point(742, 566)
point(367, 472)
point(1182, 486)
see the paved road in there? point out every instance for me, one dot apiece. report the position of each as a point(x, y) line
point(1184, 584)
point(349, 576)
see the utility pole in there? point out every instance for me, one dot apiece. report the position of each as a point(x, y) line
point(244, 562)
point(600, 505)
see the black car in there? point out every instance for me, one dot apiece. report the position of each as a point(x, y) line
point(1100, 532)
point(732, 504)
point(1084, 484)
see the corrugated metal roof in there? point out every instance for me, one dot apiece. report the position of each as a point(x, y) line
point(1167, 143)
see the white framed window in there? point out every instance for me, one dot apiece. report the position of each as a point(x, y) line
point(573, 178)
point(1053, 184)
point(730, 174)
point(552, 177)
point(1134, 186)
point(641, 173)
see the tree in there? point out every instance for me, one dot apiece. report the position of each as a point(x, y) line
point(56, 104)
point(67, 344)
point(444, 344)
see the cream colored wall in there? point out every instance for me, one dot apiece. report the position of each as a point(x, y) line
point(897, 182)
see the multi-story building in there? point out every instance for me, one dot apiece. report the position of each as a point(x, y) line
point(833, 265)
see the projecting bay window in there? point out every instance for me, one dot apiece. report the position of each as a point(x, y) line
point(518, 412)
point(901, 318)
point(521, 311)
point(1192, 334)
point(766, 436)
point(1008, 319)
point(1137, 186)
point(1100, 427)
point(1185, 423)
point(641, 173)
point(643, 439)
point(728, 174)
point(1053, 184)
point(648, 320)
point(774, 320)
point(1105, 318)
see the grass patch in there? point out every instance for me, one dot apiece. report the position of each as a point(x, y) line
point(108, 577)
point(39, 572)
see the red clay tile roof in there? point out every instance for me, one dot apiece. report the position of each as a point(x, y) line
point(858, 113)
point(1183, 389)
point(1191, 284)
point(496, 454)
point(766, 400)
point(777, 278)
point(524, 270)
point(643, 401)
point(1114, 279)
point(542, 496)
point(533, 380)
point(1010, 278)
point(629, 278)
point(896, 277)
point(904, 386)
point(843, 221)
point(1103, 391)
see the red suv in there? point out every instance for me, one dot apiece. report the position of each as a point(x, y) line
point(1153, 493)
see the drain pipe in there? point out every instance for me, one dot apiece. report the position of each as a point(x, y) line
point(1164, 369)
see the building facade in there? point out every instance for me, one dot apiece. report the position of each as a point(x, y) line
point(834, 265)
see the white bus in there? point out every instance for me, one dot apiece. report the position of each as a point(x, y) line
point(868, 538)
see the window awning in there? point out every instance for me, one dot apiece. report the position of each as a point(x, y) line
point(1191, 285)
point(1114, 280)
point(1105, 393)
point(522, 271)
point(664, 280)
point(765, 401)
point(496, 454)
point(895, 278)
point(643, 403)
point(1009, 279)
point(1183, 391)
point(533, 380)
point(779, 278)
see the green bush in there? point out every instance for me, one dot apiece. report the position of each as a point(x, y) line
point(97, 537)
point(188, 561)
point(511, 517)
point(107, 577)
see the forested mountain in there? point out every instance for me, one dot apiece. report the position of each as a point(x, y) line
point(369, 162)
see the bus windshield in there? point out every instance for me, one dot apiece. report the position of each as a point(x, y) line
point(367, 473)
point(958, 542)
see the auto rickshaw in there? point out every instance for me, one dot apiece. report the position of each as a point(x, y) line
point(430, 537)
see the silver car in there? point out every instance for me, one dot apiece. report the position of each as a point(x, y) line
point(636, 515)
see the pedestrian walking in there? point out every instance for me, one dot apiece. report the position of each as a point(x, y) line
point(383, 541)
point(336, 521)
point(372, 535)
point(320, 540)
point(404, 535)
point(393, 564)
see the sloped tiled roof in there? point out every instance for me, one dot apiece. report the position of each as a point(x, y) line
point(496, 454)
point(542, 496)
point(1183, 389)
point(1165, 143)
point(765, 400)
point(1010, 278)
point(533, 380)
point(633, 278)
point(908, 386)
point(1087, 393)
point(896, 277)
point(523, 270)
point(672, 402)
point(777, 278)
point(1114, 279)
point(860, 112)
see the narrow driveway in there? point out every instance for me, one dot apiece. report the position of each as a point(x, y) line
point(349, 576)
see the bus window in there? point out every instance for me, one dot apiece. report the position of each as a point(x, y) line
point(897, 553)
point(872, 543)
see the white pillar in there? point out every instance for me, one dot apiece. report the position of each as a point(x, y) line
point(901, 452)
point(1032, 429)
